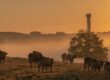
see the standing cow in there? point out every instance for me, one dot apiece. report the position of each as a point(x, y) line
point(94, 64)
point(34, 57)
point(107, 67)
point(45, 63)
point(63, 56)
point(68, 57)
point(2, 56)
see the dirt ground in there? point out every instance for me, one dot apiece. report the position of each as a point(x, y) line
point(19, 69)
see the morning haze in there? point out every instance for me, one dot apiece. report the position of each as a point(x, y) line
point(50, 16)
point(54, 39)
point(52, 45)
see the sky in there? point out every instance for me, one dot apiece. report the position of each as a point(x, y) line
point(50, 16)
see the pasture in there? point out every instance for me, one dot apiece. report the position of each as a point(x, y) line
point(19, 69)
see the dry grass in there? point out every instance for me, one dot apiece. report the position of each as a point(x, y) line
point(19, 69)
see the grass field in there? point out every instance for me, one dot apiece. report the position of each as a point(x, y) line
point(19, 69)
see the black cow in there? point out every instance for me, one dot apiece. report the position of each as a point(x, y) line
point(97, 65)
point(3, 56)
point(68, 57)
point(63, 56)
point(94, 64)
point(34, 57)
point(45, 63)
point(87, 63)
point(107, 67)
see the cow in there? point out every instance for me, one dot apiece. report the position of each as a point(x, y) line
point(97, 65)
point(107, 67)
point(45, 63)
point(87, 63)
point(68, 57)
point(34, 57)
point(94, 64)
point(2, 56)
point(63, 56)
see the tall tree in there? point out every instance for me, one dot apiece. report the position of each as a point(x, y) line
point(85, 44)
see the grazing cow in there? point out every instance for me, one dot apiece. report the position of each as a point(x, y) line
point(94, 64)
point(87, 63)
point(34, 57)
point(3, 56)
point(68, 57)
point(107, 67)
point(97, 65)
point(45, 63)
point(64, 57)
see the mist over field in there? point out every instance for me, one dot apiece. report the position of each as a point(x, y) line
point(52, 46)
point(52, 49)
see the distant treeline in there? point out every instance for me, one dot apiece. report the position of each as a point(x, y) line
point(15, 37)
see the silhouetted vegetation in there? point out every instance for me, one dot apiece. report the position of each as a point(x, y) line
point(85, 44)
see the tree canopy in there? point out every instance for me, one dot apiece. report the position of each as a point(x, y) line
point(85, 44)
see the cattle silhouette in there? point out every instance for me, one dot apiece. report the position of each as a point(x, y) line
point(2, 56)
point(42, 62)
point(107, 67)
point(34, 57)
point(68, 57)
point(45, 63)
point(93, 64)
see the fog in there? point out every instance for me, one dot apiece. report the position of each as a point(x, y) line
point(48, 48)
point(52, 49)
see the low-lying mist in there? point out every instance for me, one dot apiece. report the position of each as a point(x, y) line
point(48, 48)
point(51, 48)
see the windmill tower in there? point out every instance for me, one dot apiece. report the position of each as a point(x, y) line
point(88, 16)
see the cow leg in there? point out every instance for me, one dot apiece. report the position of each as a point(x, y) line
point(71, 61)
point(35, 63)
point(42, 68)
point(99, 70)
point(0, 61)
point(46, 68)
point(85, 67)
point(3, 60)
point(31, 63)
point(39, 68)
point(51, 68)
point(95, 70)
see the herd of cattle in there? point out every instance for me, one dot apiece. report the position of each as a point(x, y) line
point(43, 63)
point(96, 65)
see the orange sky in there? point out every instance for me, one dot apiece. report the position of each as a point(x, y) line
point(50, 16)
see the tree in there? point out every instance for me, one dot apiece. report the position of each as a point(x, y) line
point(85, 44)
